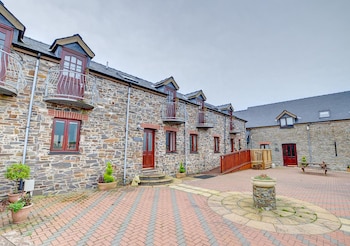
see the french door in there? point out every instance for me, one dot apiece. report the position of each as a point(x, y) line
point(289, 154)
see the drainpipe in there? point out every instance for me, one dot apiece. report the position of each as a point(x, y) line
point(30, 107)
point(225, 136)
point(126, 134)
point(185, 145)
point(309, 142)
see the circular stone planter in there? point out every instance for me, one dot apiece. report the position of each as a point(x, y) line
point(264, 193)
point(266, 183)
point(14, 197)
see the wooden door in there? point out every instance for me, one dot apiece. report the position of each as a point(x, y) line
point(289, 154)
point(71, 81)
point(148, 149)
point(5, 43)
point(171, 102)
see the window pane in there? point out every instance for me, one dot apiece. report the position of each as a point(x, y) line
point(289, 121)
point(150, 145)
point(58, 135)
point(144, 141)
point(72, 135)
point(283, 121)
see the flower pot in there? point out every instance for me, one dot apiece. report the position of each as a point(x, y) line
point(180, 175)
point(14, 197)
point(107, 186)
point(21, 215)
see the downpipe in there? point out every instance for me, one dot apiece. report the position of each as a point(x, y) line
point(126, 134)
point(35, 79)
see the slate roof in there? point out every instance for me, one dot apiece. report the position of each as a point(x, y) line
point(36, 46)
point(306, 109)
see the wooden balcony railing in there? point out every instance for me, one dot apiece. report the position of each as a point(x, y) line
point(173, 112)
point(11, 74)
point(71, 88)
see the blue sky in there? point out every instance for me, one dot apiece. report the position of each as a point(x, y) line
point(244, 52)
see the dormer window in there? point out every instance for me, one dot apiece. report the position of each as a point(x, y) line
point(286, 122)
point(286, 119)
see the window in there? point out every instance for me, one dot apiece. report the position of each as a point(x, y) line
point(170, 141)
point(324, 114)
point(264, 146)
point(65, 135)
point(5, 43)
point(193, 143)
point(286, 122)
point(232, 142)
point(216, 144)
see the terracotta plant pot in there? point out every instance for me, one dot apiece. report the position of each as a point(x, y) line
point(180, 175)
point(21, 215)
point(107, 186)
point(14, 197)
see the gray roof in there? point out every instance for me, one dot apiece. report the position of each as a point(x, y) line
point(36, 46)
point(306, 109)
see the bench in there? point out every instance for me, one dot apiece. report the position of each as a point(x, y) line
point(315, 166)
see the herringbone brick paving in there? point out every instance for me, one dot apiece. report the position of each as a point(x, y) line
point(166, 216)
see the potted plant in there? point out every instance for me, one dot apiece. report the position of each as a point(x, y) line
point(263, 180)
point(20, 209)
point(303, 162)
point(348, 168)
point(17, 172)
point(182, 171)
point(107, 181)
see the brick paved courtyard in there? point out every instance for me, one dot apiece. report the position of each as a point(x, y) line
point(183, 214)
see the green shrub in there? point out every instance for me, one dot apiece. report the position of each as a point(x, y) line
point(16, 206)
point(107, 176)
point(16, 172)
point(182, 168)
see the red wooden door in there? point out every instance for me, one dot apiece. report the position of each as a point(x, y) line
point(5, 42)
point(71, 79)
point(171, 102)
point(289, 154)
point(201, 116)
point(148, 149)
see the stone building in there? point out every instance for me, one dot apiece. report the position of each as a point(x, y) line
point(316, 127)
point(65, 116)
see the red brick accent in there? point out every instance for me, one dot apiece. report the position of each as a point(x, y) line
point(150, 126)
point(68, 115)
point(193, 132)
point(216, 135)
point(169, 128)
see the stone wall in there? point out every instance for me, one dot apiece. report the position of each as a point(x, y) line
point(102, 135)
point(323, 137)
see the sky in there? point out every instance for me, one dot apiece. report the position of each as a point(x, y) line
point(243, 52)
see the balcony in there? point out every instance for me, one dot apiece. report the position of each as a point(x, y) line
point(173, 113)
point(71, 88)
point(11, 74)
point(205, 119)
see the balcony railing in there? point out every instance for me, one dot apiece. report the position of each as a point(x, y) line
point(71, 88)
point(11, 74)
point(173, 112)
point(205, 119)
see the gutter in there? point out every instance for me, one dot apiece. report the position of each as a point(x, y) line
point(126, 134)
point(35, 79)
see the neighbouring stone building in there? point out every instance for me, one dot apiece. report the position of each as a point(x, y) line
point(316, 127)
point(65, 116)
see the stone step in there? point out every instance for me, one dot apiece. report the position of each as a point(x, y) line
point(153, 177)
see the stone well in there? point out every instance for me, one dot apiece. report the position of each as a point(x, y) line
point(264, 193)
